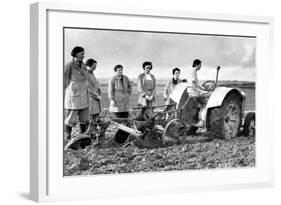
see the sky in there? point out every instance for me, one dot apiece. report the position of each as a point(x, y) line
point(235, 55)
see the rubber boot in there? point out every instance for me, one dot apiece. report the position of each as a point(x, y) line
point(83, 128)
point(67, 132)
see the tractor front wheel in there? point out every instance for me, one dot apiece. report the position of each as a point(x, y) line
point(225, 121)
point(250, 125)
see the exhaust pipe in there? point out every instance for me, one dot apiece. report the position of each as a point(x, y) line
point(217, 77)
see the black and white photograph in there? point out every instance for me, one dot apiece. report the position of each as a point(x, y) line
point(148, 101)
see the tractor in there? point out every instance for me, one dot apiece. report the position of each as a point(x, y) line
point(220, 111)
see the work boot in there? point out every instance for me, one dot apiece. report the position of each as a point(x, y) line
point(83, 128)
point(67, 132)
point(91, 128)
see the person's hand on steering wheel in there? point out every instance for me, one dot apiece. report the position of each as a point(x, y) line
point(208, 85)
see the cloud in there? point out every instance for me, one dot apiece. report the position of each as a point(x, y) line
point(166, 51)
point(249, 59)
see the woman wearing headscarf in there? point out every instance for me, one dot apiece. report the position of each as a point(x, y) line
point(171, 84)
point(146, 84)
point(94, 96)
point(76, 101)
point(119, 91)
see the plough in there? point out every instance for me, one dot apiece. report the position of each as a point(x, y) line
point(127, 128)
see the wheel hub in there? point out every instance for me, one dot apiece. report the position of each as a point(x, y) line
point(231, 120)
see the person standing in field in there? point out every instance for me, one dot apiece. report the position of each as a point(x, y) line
point(119, 91)
point(171, 84)
point(146, 84)
point(94, 96)
point(76, 102)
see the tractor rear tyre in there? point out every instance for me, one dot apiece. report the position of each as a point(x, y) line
point(225, 121)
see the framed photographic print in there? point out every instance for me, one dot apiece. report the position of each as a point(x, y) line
point(127, 102)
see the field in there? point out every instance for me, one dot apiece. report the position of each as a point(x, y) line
point(191, 153)
point(249, 91)
point(239, 152)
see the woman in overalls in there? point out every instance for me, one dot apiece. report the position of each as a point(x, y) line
point(76, 101)
point(171, 84)
point(119, 91)
point(94, 97)
point(146, 84)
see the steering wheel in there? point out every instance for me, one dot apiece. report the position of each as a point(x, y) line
point(209, 85)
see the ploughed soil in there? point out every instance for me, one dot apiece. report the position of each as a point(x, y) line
point(189, 153)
